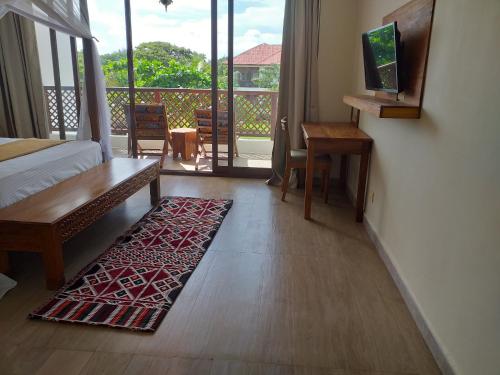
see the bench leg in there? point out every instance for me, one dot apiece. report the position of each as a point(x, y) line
point(52, 256)
point(154, 190)
point(4, 262)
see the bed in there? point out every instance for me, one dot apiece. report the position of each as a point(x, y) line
point(26, 175)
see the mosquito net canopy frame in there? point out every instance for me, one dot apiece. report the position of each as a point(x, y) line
point(71, 17)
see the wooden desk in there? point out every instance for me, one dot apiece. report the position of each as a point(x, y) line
point(336, 138)
point(44, 221)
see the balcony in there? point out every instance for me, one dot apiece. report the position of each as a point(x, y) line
point(255, 117)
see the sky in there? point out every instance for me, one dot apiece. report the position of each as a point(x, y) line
point(186, 24)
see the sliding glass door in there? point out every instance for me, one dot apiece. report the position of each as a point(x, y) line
point(214, 65)
point(172, 49)
point(246, 56)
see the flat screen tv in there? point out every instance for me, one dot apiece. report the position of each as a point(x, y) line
point(382, 59)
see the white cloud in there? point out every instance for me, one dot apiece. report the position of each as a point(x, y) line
point(187, 24)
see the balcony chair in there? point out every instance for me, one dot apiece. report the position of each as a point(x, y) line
point(150, 124)
point(203, 119)
point(297, 159)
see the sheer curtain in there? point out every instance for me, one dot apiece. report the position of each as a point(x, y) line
point(298, 97)
point(61, 15)
point(65, 16)
point(84, 131)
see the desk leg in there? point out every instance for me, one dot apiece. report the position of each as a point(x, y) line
point(154, 190)
point(343, 171)
point(363, 174)
point(309, 180)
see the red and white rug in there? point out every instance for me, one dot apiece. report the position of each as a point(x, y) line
point(135, 282)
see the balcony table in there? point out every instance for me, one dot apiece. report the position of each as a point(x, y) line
point(184, 142)
point(336, 138)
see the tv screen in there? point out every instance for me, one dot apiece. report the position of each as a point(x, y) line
point(381, 54)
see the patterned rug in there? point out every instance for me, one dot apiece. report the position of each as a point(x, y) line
point(134, 283)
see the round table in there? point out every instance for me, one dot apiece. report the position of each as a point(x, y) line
point(183, 142)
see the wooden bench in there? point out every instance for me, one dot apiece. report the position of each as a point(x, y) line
point(44, 221)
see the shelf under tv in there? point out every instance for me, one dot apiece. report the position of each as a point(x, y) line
point(383, 108)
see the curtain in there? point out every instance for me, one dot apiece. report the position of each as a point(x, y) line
point(298, 96)
point(84, 131)
point(61, 15)
point(65, 16)
point(22, 110)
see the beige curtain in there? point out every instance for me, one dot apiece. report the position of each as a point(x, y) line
point(298, 97)
point(22, 110)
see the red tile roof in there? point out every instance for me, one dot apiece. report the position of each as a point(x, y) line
point(263, 54)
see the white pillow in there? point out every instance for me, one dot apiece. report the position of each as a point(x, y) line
point(6, 284)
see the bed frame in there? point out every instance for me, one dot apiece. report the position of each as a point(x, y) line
point(44, 221)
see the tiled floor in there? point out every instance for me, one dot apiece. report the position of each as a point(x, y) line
point(274, 294)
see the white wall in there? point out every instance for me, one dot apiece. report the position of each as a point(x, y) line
point(336, 57)
point(436, 181)
point(45, 56)
point(336, 61)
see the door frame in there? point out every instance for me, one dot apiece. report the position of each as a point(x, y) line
point(230, 170)
point(217, 170)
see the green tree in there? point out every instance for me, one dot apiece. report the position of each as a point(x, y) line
point(116, 73)
point(81, 74)
point(159, 64)
point(174, 74)
point(269, 77)
point(114, 56)
point(222, 73)
point(165, 52)
point(154, 73)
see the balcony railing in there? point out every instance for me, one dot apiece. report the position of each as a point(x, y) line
point(255, 111)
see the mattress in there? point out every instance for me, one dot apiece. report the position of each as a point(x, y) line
point(26, 175)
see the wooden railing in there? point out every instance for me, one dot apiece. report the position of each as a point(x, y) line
point(255, 111)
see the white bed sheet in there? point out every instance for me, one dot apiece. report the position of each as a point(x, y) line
point(26, 175)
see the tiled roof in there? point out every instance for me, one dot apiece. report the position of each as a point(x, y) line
point(263, 54)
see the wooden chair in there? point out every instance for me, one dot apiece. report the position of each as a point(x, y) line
point(203, 119)
point(150, 124)
point(297, 159)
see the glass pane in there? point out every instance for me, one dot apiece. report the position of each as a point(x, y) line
point(222, 120)
point(172, 67)
point(107, 22)
point(70, 114)
point(257, 53)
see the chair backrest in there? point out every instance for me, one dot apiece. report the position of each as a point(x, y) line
point(150, 121)
point(203, 119)
point(286, 135)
